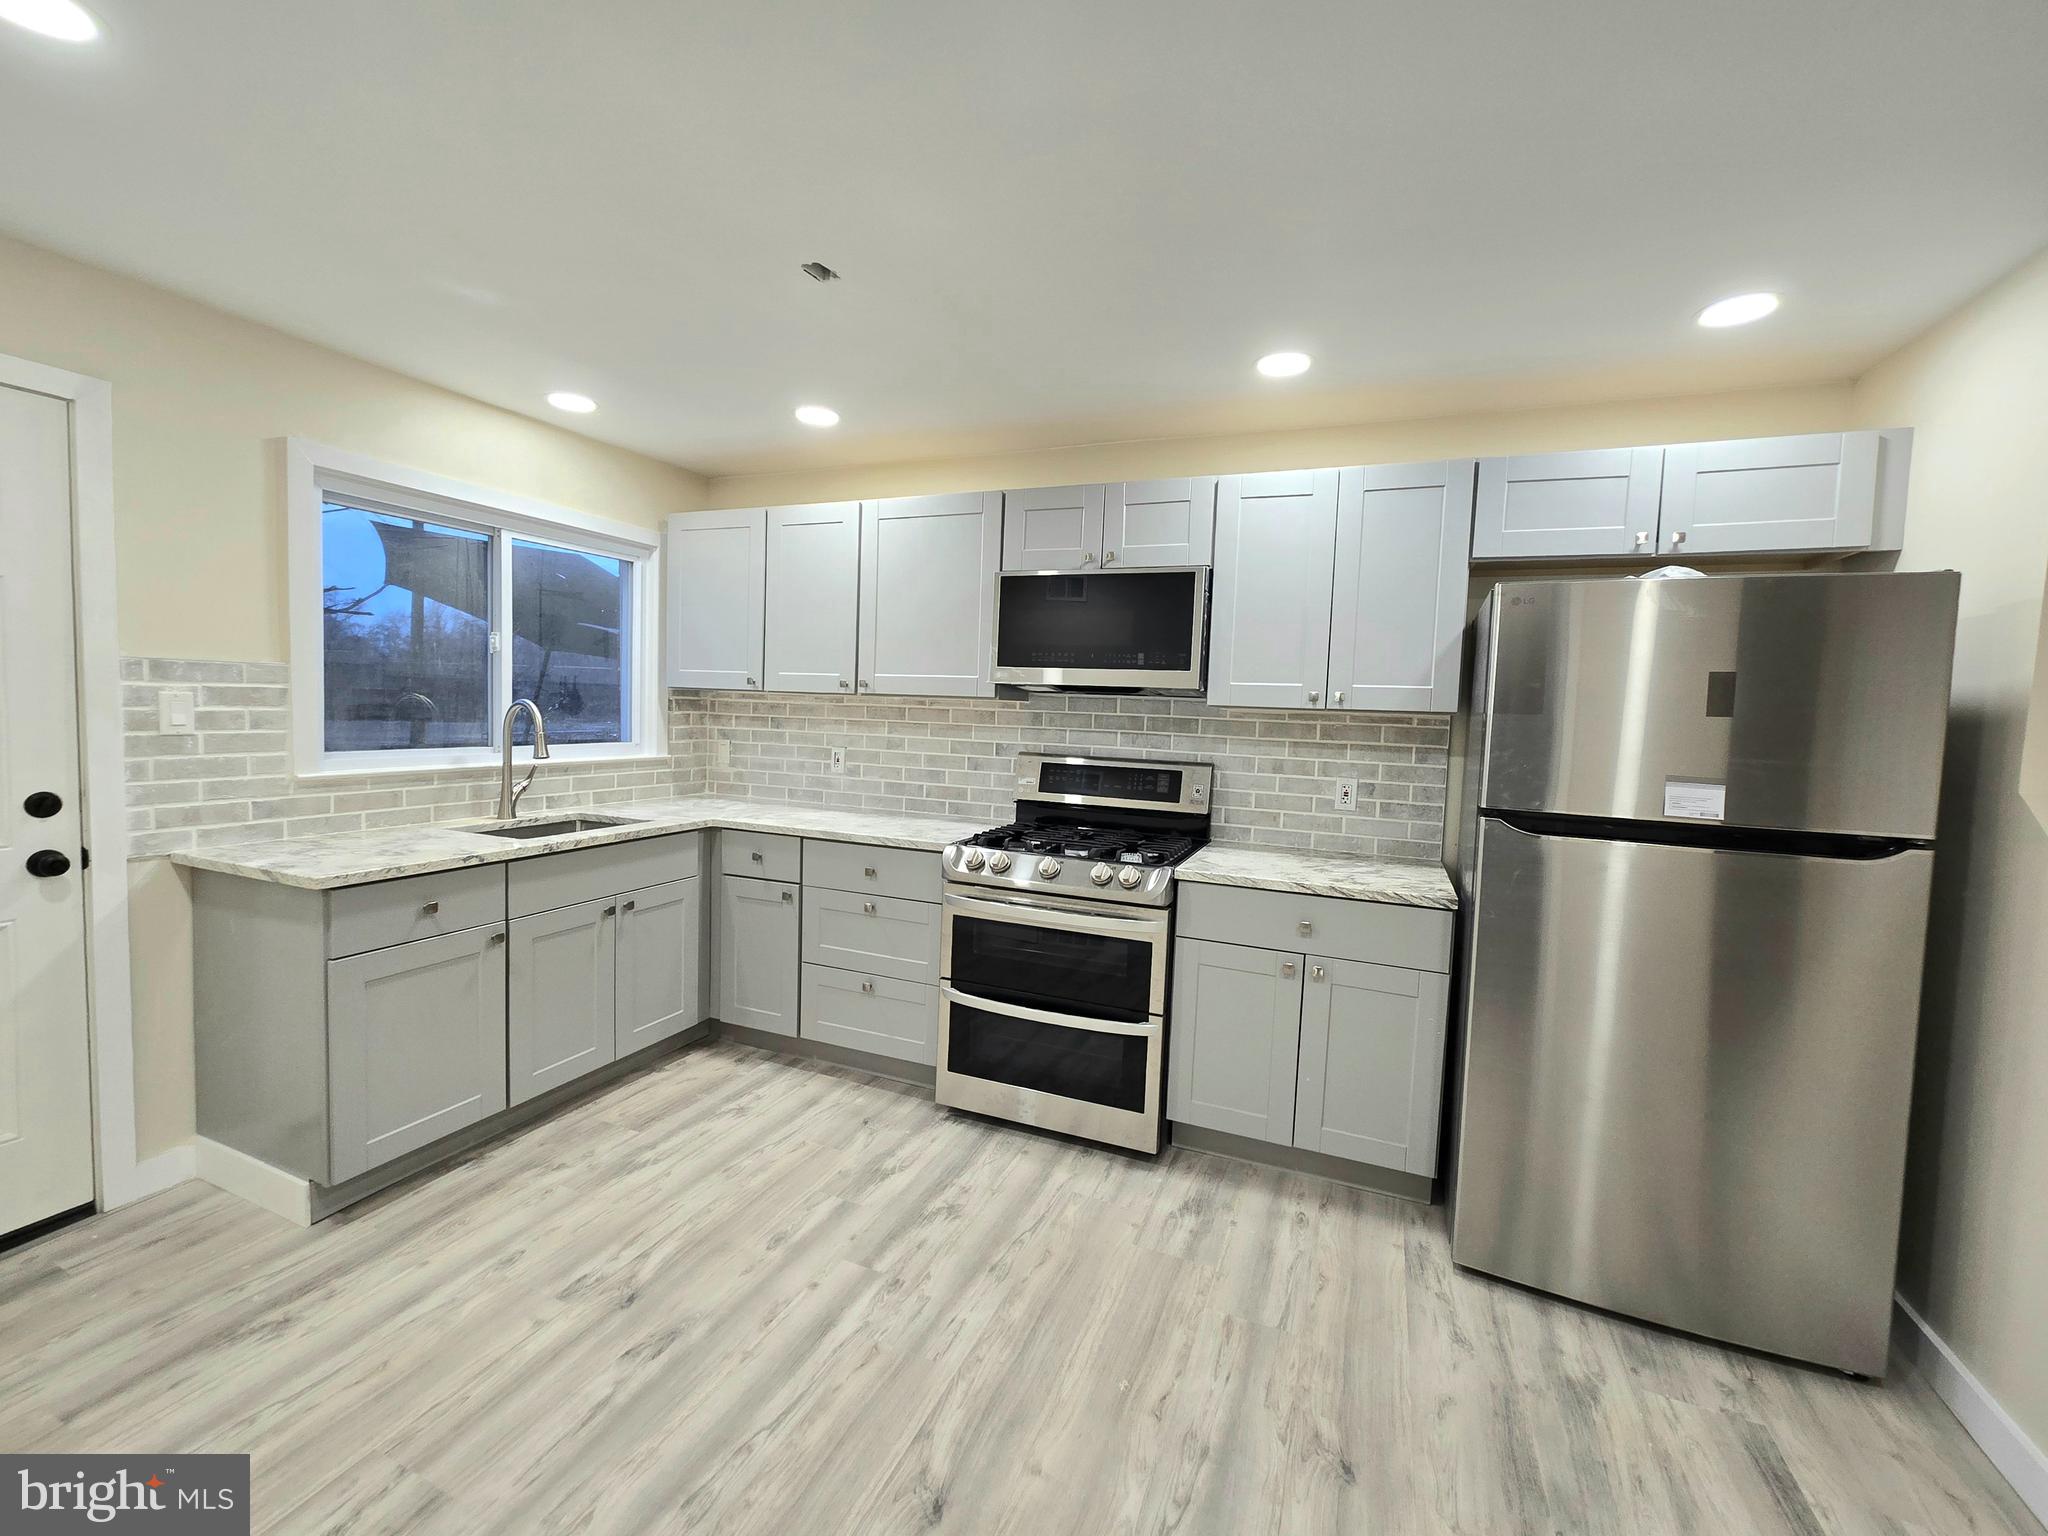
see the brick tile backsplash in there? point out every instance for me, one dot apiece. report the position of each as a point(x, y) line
point(1276, 770)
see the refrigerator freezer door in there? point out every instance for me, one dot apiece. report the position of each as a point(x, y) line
point(1803, 703)
point(1685, 1084)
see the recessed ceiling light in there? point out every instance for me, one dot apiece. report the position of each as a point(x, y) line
point(1739, 310)
point(1283, 365)
point(561, 399)
point(65, 20)
point(817, 415)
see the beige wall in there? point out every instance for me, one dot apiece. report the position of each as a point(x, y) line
point(1976, 1247)
point(1742, 413)
point(200, 399)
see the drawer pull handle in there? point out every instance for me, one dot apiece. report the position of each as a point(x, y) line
point(1305, 929)
point(496, 938)
point(430, 908)
point(1286, 967)
point(1315, 973)
point(867, 986)
point(756, 856)
point(868, 907)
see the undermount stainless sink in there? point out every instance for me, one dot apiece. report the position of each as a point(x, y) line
point(553, 826)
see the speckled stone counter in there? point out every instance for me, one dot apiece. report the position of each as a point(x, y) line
point(1322, 874)
point(359, 858)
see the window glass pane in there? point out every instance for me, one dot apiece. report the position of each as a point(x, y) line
point(408, 635)
point(569, 619)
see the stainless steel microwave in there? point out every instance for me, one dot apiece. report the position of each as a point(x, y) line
point(1105, 629)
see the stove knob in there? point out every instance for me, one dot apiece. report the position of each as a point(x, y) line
point(998, 863)
point(972, 859)
point(1101, 874)
point(1048, 869)
point(1128, 877)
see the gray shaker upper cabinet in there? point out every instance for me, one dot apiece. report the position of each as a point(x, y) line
point(1053, 528)
point(1817, 492)
point(812, 614)
point(716, 568)
point(927, 593)
point(1269, 612)
point(1397, 613)
point(1537, 506)
point(1148, 523)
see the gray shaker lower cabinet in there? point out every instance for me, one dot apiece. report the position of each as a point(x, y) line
point(876, 1014)
point(659, 961)
point(416, 1044)
point(1370, 1084)
point(1236, 1026)
point(758, 954)
point(560, 1023)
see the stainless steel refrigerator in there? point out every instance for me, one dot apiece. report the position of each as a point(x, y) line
point(1696, 867)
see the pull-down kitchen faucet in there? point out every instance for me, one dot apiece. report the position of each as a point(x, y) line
point(508, 796)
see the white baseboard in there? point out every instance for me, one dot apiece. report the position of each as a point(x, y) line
point(280, 1193)
point(151, 1176)
point(2021, 1462)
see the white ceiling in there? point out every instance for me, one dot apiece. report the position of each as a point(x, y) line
point(1057, 221)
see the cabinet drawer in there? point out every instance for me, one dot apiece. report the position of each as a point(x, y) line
point(761, 855)
point(585, 874)
point(898, 1019)
point(364, 917)
point(903, 872)
point(876, 935)
point(1379, 933)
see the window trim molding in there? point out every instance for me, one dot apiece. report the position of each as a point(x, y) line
point(314, 469)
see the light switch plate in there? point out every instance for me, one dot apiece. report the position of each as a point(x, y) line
point(1347, 794)
point(175, 712)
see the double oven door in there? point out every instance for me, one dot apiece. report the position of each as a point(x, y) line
point(1052, 1013)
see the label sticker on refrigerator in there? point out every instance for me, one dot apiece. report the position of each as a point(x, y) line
point(1696, 799)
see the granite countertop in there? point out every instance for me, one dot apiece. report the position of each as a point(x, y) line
point(359, 858)
point(1399, 882)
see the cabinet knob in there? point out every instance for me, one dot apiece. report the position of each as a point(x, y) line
point(1315, 698)
point(430, 908)
point(844, 683)
point(867, 986)
point(869, 873)
point(753, 682)
point(1087, 559)
point(756, 856)
point(496, 938)
point(1109, 557)
point(789, 895)
point(1304, 929)
point(863, 682)
point(1286, 967)
point(611, 911)
point(1315, 973)
point(625, 906)
point(868, 907)
point(1642, 540)
point(1677, 539)
point(1336, 698)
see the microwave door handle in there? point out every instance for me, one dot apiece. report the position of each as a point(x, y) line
point(1040, 1016)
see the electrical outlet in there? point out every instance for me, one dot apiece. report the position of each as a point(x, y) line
point(1347, 794)
point(839, 759)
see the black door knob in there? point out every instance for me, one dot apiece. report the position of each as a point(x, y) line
point(45, 863)
point(42, 804)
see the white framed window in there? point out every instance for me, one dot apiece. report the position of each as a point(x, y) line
point(421, 607)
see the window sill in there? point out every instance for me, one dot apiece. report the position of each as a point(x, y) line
point(561, 759)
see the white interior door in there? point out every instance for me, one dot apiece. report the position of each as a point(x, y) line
point(45, 1091)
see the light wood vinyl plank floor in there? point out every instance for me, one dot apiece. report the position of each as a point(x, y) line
point(744, 1293)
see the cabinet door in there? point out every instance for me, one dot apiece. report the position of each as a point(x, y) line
point(658, 963)
point(813, 605)
point(1269, 610)
point(715, 571)
point(1372, 1064)
point(1236, 1027)
point(1054, 528)
point(1537, 506)
point(1397, 617)
point(416, 1045)
point(1159, 522)
point(757, 954)
point(1761, 494)
point(563, 1000)
point(927, 594)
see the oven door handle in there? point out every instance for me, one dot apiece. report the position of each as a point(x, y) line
point(1001, 909)
point(953, 994)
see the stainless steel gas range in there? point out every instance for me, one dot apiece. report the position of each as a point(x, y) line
point(1056, 944)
